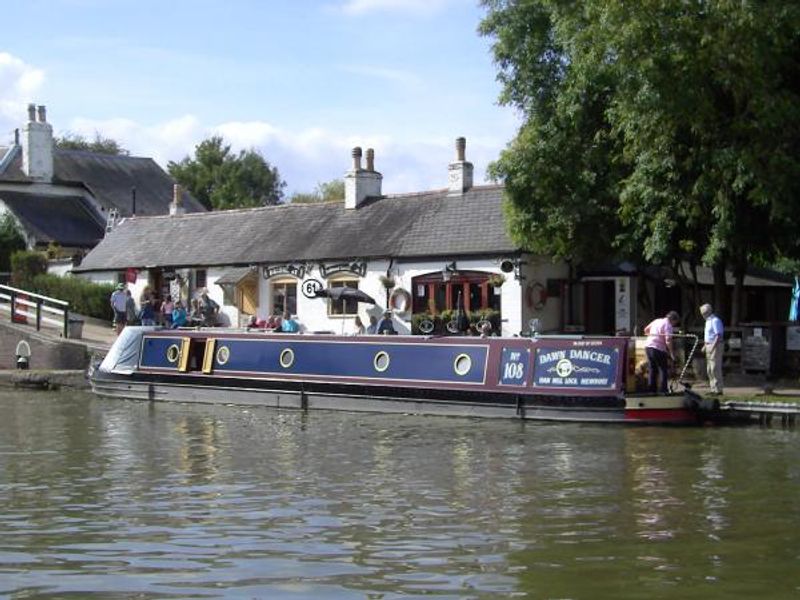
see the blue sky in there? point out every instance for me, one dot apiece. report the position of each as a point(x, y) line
point(302, 81)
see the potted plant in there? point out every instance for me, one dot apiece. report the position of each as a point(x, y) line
point(387, 281)
point(496, 279)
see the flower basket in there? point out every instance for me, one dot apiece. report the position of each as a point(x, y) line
point(496, 280)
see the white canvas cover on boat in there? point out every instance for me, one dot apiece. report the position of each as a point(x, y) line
point(123, 357)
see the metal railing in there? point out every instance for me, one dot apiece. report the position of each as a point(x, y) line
point(28, 308)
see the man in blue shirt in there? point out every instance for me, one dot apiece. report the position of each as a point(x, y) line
point(713, 348)
point(385, 325)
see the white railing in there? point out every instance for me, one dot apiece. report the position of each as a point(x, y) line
point(34, 309)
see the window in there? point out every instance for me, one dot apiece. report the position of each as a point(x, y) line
point(199, 279)
point(284, 296)
point(347, 306)
point(432, 294)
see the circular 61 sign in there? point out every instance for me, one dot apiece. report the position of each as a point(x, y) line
point(310, 287)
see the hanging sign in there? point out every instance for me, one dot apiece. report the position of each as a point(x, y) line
point(357, 268)
point(298, 271)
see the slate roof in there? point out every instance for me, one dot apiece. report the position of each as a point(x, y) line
point(402, 226)
point(110, 178)
point(66, 220)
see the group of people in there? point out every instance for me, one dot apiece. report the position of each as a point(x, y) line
point(660, 353)
point(165, 312)
point(285, 323)
point(383, 327)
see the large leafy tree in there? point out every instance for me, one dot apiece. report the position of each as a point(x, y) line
point(324, 192)
point(672, 126)
point(100, 144)
point(11, 240)
point(221, 179)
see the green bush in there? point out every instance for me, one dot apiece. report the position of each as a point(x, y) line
point(84, 297)
point(25, 265)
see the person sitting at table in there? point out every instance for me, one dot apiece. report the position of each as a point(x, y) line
point(372, 328)
point(274, 322)
point(178, 315)
point(385, 325)
point(195, 318)
point(289, 323)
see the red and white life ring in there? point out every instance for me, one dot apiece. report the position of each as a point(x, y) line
point(400, 301)
point(535, 295)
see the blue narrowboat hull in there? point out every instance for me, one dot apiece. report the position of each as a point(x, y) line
point(574, 379)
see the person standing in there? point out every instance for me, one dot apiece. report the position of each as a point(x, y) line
point(130, 308)
point(713, 345)
point(167, 306)
point(659, 350)
point(119, 301)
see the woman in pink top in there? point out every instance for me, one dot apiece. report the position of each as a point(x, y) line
point(659, 349)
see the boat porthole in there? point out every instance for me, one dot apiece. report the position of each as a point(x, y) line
point(462, 364)
point(173, 353)
point(381, 361)
point(223, 355)
point(287, 358)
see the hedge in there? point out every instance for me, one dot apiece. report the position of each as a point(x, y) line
point(84, 297)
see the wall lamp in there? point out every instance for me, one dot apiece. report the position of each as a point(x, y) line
point(448, 271)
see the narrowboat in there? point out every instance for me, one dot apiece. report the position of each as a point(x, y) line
point(559, 378)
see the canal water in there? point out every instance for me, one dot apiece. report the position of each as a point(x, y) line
point(127, 499)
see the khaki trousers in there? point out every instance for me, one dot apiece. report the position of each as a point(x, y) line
point(714, 368)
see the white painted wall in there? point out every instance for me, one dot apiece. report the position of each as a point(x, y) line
point(537, 270)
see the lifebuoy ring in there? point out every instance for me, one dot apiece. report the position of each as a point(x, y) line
point(400, 301)
point(535, 295)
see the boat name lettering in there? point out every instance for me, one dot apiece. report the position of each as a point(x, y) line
point(574, 354)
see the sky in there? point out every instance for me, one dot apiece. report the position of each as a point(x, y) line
point(301, 81)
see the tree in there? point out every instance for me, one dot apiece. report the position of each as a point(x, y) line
point(674, 125)
point(221, 179)
point(330, 191)
point(100, 144)
point(11, 240)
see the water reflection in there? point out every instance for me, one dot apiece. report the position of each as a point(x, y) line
point(128, 498)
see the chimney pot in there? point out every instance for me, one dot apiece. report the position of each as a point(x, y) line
point(370, 159)
point(357, 158)
point(177, 194)
point(461, 149)
point(16, 137)
point(31, 112)
point(42, 114)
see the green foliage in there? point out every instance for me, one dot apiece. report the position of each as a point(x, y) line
point(84, 297)
point(25, 265)
point(11, 240)
point(331, 191)
point(100, 144)
point(221, 179)
point(668, 130)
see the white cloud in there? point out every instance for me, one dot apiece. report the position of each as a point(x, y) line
point(427, 7)
point(304, 157)
point(19, 84)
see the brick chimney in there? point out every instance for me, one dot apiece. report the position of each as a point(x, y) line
point(360, 184)
point(460, 171)
point(37, 145)
point(176, 207)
